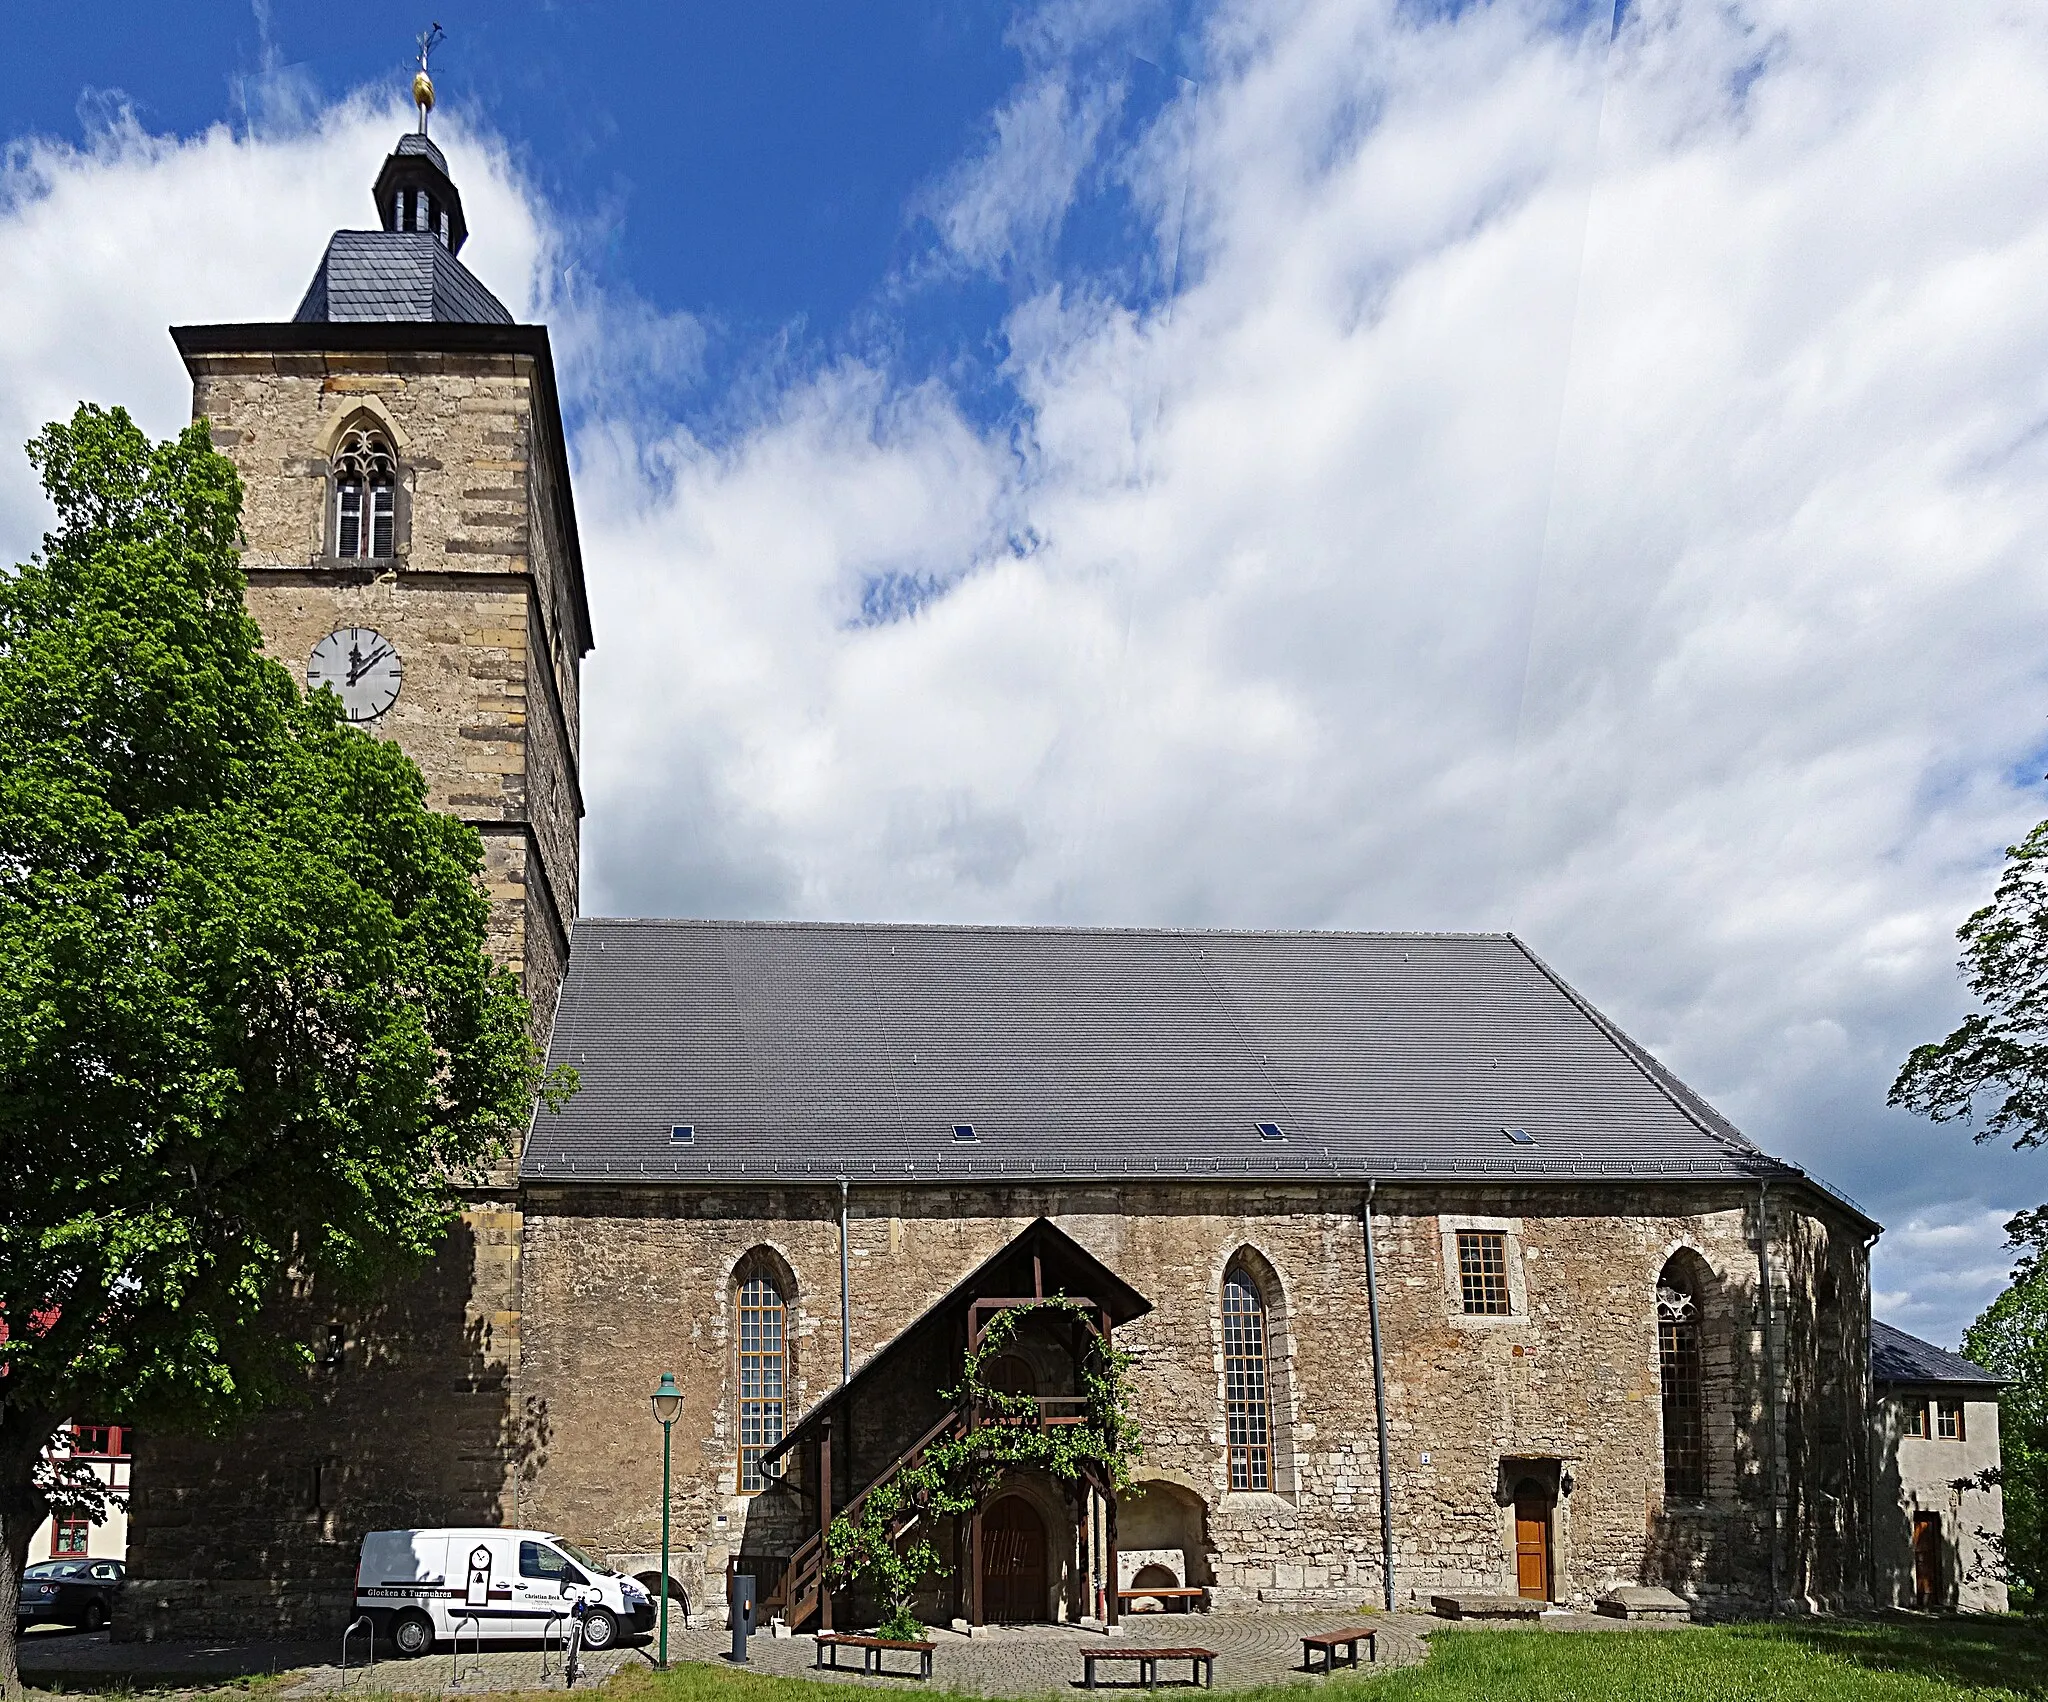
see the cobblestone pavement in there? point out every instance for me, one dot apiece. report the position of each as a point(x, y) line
point(444, 1673)
point(1039, 1660)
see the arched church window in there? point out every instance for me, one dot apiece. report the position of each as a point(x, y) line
point(365, 495)
point(1678, 1364)
point(1246, 1409)
point(763, 1374)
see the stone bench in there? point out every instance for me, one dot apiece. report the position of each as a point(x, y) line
point(1646, 1604)
point(1472, 1605)
point(872, 1650)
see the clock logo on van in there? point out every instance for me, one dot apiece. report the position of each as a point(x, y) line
point(479, 1592)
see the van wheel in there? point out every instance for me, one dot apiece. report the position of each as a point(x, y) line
point(412, 1633)
point(600, 1628)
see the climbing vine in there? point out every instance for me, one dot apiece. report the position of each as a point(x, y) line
point(889, 1545)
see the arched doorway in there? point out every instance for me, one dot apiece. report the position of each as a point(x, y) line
point(1013, 1581)
point(1532, 1540)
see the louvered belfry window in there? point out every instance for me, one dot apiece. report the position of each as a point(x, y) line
point(762, 1368)
point(1678, 1363)
point(1245, 1409)
point(365, 496)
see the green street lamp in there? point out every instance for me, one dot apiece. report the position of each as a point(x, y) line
point(667, 1400)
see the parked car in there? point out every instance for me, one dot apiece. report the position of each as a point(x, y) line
point(68, 1592)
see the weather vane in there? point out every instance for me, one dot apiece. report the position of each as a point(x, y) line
point(422, 84)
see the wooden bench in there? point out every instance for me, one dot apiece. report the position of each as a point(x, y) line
point(872, 1650)
point(1187, 1597)
point(1201, 1664)
point(1329, 1642)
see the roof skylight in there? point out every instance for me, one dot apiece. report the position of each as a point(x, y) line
point(1521, 1137)
point(1271, 1132)
point(964, 1132)
point(682, 1131)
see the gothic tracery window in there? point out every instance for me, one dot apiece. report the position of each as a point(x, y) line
point(1678, 1363)
point(365, 495)
point(1247, 1415)
point(763, 1368)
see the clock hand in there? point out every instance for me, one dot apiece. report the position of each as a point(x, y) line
point(363, 664)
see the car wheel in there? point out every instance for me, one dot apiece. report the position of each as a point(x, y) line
point(95, 1616)
point(412, 1633)
point(600, 1628)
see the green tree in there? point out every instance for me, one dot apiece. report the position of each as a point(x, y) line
point(2011, 1338)
point(1998, 1054)
point(1993, 1071)
point(249, 1035)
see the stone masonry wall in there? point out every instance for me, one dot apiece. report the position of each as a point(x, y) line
point(622, 1284)
point(416, 1423)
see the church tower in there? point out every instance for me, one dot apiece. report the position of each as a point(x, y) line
point(411, 537)
point(409, 544)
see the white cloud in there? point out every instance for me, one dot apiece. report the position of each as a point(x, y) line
point(1595, 491)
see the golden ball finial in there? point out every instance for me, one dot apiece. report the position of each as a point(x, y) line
point(423, 91)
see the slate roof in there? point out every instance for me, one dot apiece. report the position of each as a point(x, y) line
point(814, 1051)
point(412, 142)
point(1896, 1357)
point(385, 275)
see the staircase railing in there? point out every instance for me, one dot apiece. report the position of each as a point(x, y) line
point(800, 1586)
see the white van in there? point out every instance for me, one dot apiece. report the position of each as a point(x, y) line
point(422, 1587)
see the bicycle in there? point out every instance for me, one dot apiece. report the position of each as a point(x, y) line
point(572, 1652)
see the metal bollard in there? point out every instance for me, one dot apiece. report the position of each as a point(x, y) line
point(740, 1598)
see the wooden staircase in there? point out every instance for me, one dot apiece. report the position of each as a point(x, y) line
point(798, 1591)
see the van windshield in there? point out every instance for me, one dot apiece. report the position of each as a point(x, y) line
point(583, 1557)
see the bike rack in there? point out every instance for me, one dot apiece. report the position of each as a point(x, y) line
point(476, 1627)
point(362, 1623)
point(557, 1628)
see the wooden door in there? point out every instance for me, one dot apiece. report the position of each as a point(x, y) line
point(1927, 1590)
point(1532, 1541)
point(1013, 1583)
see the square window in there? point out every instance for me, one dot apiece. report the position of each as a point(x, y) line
point(1948, 1421)
point(1915, 1418)
point(68, 1536)
point(1483, 1271)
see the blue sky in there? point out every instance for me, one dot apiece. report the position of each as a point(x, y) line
point(752, 162)
point(763, 168)
point(1272, 463)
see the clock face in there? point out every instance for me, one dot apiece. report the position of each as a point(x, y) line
point(360, 667)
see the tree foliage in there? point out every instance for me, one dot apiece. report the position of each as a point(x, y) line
point(2011, 1338)
point(1998, 1054)
point(889, 1546)
point(249, 1036)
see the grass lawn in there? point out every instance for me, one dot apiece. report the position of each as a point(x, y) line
point(1814, 1661)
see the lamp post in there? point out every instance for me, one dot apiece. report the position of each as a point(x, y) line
point(667, 1401)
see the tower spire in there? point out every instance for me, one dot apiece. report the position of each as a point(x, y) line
point(422, 83)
